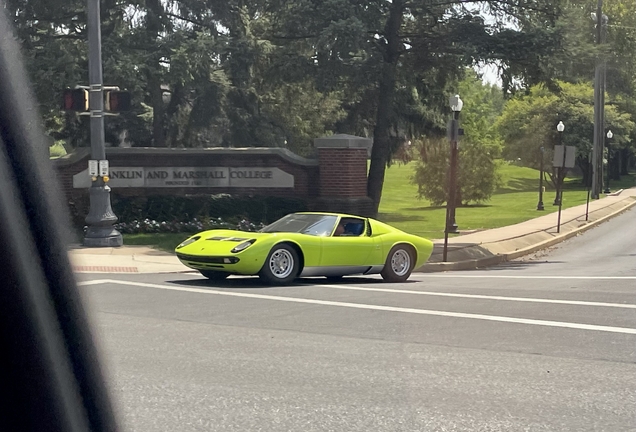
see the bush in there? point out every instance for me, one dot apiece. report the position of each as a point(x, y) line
point(152, 226)
point(191, 213)
point(477, 173)
point(57, 150)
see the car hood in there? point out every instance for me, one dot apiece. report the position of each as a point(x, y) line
point(220, 242)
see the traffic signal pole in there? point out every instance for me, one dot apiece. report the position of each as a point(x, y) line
point(100, 218)
point(599, 108)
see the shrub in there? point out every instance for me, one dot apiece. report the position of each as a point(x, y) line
point(57, 150)
point(191, 213)
point(195, 225)
point(477, 173)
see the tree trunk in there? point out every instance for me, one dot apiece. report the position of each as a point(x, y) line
point(158, 111)
point(615, 165)
point(172, 111)
point(386, 90)
point(586, 169)
point(624, 168)
point(154, 26)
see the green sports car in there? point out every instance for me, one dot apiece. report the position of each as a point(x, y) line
point(307, 244)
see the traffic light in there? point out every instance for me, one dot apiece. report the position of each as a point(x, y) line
point(117, 101)
point(75, 99)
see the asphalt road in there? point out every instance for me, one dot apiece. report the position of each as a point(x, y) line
point(547, 343)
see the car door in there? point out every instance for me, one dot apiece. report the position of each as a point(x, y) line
point(349, 249)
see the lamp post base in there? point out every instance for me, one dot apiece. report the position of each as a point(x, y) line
point(453, 229)
point(540, 206)
point(100, 220)
point(103, 237)
point(607, 190)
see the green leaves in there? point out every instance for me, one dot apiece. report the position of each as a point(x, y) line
point(528, 122)
point(479, 149)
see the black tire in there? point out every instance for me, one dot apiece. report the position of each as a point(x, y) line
point(399, 264)
point(281, 266)
point(214, 275)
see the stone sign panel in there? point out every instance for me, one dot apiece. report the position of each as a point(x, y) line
point(167, 177)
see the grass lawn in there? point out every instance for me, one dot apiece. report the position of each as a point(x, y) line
point(514, 202)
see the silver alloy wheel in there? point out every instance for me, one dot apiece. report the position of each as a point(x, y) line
point(281, 263)
point(401, 262)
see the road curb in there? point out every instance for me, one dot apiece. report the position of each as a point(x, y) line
point(500, 258)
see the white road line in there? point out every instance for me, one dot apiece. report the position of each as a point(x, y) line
point(483, 297)
point(544, 323)
point(486, 276)
point(93, 282)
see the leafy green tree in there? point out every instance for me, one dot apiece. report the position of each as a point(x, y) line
point(528, 123)
point(479, 149)
point(397, 59)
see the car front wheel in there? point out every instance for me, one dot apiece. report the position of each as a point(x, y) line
point(281, 266)
point(399, 264)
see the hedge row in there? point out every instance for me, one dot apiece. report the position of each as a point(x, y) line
point(190, 213)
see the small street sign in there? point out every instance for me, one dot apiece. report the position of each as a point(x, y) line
point(570, 156)
point(92, 168)
point(103, 168)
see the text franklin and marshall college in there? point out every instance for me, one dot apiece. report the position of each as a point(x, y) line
point(186, 175)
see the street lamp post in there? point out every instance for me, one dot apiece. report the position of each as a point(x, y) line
point(609, 135)
point(557, 198)
point(560, 129)
point(540, 203)
point(100, 218)
point(456, 105)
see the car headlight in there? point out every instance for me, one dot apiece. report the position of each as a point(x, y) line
point(243, 246)
point(188, 241)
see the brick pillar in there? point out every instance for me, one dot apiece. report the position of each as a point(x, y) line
point(343, 175)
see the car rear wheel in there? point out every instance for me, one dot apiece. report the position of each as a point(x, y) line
point(214, 275)
point(399, 264)
point(281, 266)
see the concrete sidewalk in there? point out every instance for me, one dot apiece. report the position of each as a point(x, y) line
point(494, 246)
point(479, 249)
point(125, 259)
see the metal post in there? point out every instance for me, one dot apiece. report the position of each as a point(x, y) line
point(599, 108)
point(453, 178)
point(562, 176)
point(454, 131)
point(589, 188)
point(540, 204)
point(557, 195)
point(609, 161)
point(100, 218)
point(450, 225)
point(445, 252)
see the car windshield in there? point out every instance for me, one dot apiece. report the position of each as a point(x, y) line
point(312, 224)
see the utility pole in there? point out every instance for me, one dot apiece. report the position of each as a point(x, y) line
point(100, 218)
point(599, 106)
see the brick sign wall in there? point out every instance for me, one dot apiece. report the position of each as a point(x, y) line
point(147, 171)
point(336, 181)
